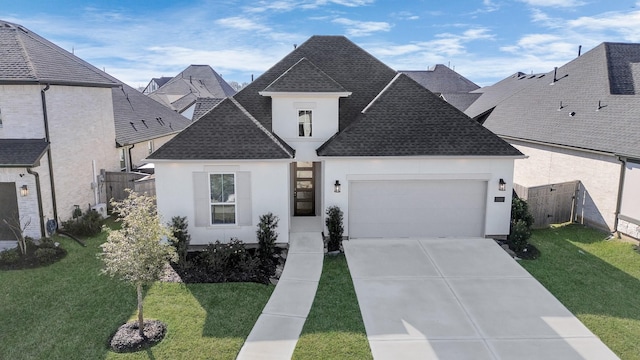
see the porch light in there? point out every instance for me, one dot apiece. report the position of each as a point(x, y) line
point(24, 190)
point(337, 187)
point(502, 186)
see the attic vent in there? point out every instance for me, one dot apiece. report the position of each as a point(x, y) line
point(600, 106)
point(540, 76)
point(159, 120)
point(133, 126)
point(170, 127)
point(532, 76)
point(572, 114)
point(23, 29)
point(561, 106)
point(144, 123)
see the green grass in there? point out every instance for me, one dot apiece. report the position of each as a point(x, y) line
point(597, 280)
point(334, 327)
point(68, 311)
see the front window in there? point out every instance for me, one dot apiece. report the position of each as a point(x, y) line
point(223, 198)
point(304, 123)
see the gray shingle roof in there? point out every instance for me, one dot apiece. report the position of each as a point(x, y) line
point(338, 57)
point(490, 96)
point(139, 118)
point(408, 120)
point(196, 81)
point(304, 76)
point(228, 132)
point(404, 120)
point(441, 79)
point(590, 88)
point(21, 152)
point(203, 106)
point(27, 57)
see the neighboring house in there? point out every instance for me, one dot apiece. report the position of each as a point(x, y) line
point(331, 125)
point(580, 122)
point(446, 83)
point(142, 125)
point(56, 131)
point(62, 121)
point(155, 84)
point(196, 81)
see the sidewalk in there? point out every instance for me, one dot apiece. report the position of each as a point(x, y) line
point(275, 334)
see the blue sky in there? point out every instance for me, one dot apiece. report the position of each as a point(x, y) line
point(484, 40)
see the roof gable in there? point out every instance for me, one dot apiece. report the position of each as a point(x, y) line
point(441, 79)
point(304, 76)
point(226, 132)
point(357, 71)
point(27, 57)
point(408, 120)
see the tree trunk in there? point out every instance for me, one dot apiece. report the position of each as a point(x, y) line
point(140, 317)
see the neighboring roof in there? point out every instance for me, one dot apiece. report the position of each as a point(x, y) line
point(196, 81)
point(355, 69)
point(25, 57)
point(203, 106)
point(228, 132)
point(139, 118)
point(593, 104)
point(304, 76)
point(22, 152)
point(161, 80)
point(442, 80)
point(408, 120)
point(387, 114)
point(490, 96)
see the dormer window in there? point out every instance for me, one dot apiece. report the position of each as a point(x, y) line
point(304, 123)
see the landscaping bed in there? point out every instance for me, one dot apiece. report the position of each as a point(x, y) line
point(43, 253)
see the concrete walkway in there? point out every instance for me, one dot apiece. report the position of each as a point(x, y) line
point(460, 299)
point(275, 334)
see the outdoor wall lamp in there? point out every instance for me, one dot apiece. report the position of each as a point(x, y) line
point(337, 187)
point(502, 186)
point(24, 190)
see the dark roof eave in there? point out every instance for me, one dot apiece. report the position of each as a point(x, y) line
point(56, 82)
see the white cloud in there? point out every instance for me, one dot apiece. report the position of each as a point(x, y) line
point(357, 28)
point(554, 3)
point(241, 23)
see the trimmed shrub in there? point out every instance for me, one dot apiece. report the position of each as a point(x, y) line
point(181, 236)
point(89, 224)
point(267, 236)
point(230, 261)
point(10, 256)
point(521, 221)
point(335, 226)
point(46, 255)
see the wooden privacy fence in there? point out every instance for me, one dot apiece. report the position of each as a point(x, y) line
point(116, 182)
point(550, 204)
point(145, 185)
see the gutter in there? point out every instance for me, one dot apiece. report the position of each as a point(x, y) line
point(39, 195)
point(49, 158)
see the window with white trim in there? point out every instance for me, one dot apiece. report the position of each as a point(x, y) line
point(304, 123)
point(223, 198)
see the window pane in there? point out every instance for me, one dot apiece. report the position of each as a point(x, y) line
point(304, 164)
point(304, 123)
point(304, 205)
point(216, 188)
point(223, 214)
point(304, 195)
point(305, 174)
point(305, 184)
point(229, 191)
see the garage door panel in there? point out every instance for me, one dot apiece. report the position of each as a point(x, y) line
point(417, 208)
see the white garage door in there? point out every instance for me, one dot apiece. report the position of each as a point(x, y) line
point(420, 208)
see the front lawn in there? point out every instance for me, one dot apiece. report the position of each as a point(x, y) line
point(596, 279)
point(334, 327)
point(68, 311)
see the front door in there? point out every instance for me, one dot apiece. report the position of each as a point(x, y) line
point(8, 210)
point(304, 189)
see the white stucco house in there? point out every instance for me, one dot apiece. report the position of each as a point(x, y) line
point(331, 125)
point(577, 123)
point(62, 121)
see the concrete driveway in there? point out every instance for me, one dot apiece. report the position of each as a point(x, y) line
point(460, 299)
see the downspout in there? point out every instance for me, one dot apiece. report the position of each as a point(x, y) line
point(49, 158)
point(39, 195)
point(623, 169)
point(129, 166)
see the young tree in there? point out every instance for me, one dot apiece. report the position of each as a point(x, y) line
point(137, 253)
point(18, 225)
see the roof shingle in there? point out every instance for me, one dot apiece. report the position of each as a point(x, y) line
point(22, 152)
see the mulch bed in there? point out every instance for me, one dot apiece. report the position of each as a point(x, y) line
point(31, 259)
point(128, 339)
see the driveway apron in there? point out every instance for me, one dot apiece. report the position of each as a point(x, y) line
point(453, 298)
